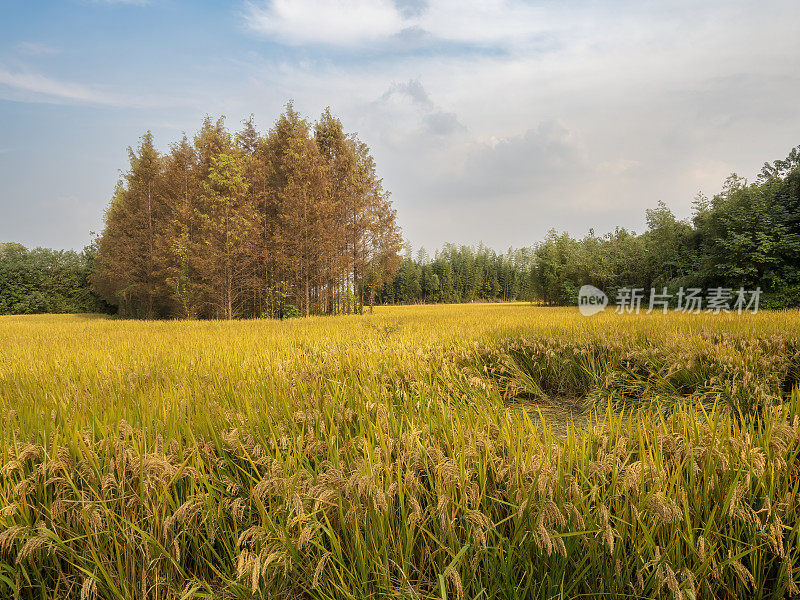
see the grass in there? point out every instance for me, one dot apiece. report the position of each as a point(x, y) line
point(471, 451)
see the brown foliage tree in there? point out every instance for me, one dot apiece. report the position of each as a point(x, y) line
point(249, 225)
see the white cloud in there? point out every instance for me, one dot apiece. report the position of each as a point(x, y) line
point(337, 22)
point(357, 22)
point(29, 86)
point(52, 89)
point(413, 98)
point(484, 21)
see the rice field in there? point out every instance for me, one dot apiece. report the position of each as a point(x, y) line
point(449, 452)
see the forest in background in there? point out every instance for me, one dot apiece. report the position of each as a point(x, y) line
point(748, 235)
point(296, 222)
point(46, 281)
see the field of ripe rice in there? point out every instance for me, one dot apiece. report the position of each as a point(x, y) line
point(465, 451)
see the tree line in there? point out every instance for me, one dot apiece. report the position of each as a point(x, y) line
point(46, 281)
point(748, 235)
point(461, 274)
point(294, 221)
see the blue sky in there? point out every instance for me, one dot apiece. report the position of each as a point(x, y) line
point(490, 121)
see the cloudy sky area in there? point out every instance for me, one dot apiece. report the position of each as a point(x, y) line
point(490, 121)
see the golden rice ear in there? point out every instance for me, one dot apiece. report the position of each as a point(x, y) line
point(743, 573)
point(10, 535)
point(318, 570)
point(791, 589)
point(34, 545)
point(454, 579)
point(89, 588)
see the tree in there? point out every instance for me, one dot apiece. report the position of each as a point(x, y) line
point(301, 208)
point(739, 236)
point(226, 229)
point(179, 244)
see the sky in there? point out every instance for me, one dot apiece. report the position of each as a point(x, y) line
point(490, 121)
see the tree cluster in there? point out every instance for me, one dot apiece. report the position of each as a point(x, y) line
point(461, 274)
point(747, 236)
point(294, 221)
point(46, 281)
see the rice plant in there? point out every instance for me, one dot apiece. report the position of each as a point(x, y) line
point(478, 451)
